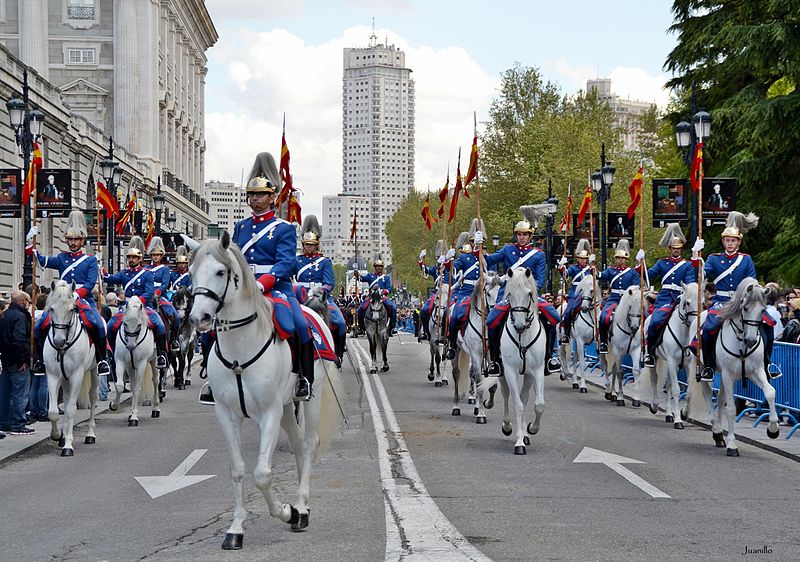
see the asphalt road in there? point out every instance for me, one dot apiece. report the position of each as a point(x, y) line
point(426, 485)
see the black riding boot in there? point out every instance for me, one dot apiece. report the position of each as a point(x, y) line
point(100, 353)
point(161, 350)
point(553, 363)
point(112, 340)
point(392, 324)
point(709, 360)
point(305, 379)
point(339, 344)
point(425, 333)
point(38, 364)
point(773, 371)
point(566, 326)
point(603, 345)
point(496, 360)
point(452, 339)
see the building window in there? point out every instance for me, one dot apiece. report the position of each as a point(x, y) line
point(81, 9)
point(81, 56)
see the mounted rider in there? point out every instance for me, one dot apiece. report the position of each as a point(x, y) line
point(181, 276)
point(315, 273)
point(577, 272)
point(673, 271)
point(382, 281)
point(76, 267)
point(441, 277)
point(619, 277)
point(727, 270)
point(161, 282)
point(520, 255)
point(137, 282)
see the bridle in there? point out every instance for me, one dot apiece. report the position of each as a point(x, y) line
point(530, 312)
point(68, 343)
point(739, 332)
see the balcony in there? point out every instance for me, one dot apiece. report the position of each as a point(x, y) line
point(80, 12)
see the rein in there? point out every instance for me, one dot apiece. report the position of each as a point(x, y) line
point(61, 351)
point(125, 333)
point(530, 316)
point(743, 353)
point(633, 329)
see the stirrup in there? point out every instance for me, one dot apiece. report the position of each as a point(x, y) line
point(553, 366)
point(206, 396)
point(706, 375)
point(103, 368)
point(161, 361)
point(649, 360)
point(602, 348)
point(451, 353)
point(423, 337)
point(563, 339)
point(494, 369)
point(303, 391)
point(38, 367)
point(774, 371)
point(175, 346)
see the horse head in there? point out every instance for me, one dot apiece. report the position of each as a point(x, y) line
point(522, 297)
point(375, 297)
point(585, 292)
point(61, 308)
point(745, 310)
point(182, 301)
point(133, 321)
point(687, 306)
point(316, 301)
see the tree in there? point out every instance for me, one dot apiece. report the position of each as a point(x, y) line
point(743, 58)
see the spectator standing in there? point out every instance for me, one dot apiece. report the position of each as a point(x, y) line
point(772, 295)
point(38, 398)
point(15, 355)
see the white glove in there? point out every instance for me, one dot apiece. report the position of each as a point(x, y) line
point(76, 296)
point(32, 233)
point(640, 254)
point(563, 261)
point(591, 258)
point(355, 267)
point(699, 244)
point(440, 261)
point(422, 255)
point(478, 237)
point(451, 253)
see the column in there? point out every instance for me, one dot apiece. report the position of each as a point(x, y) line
point(147, 108)
point(126, 74)
point(33, 39)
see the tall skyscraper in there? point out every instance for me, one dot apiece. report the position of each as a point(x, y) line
point(377, 149)
point(627, 113)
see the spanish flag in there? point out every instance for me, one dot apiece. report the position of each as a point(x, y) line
point(587, 200)
point(353, 228)
point(151, 227)
point(126, 217)
point(427, 217)
point(454, 201)
point(472, 171)
point(106, 200)
point(293, 211)
point(443, 194)
point(635, 189)
point(33, 169)
point(696, 173)
point(286, 176)
point(565, 221)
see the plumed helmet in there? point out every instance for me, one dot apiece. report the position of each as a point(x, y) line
point(76, 225)
point(156, 246)
point(378, 262)
point(477, 224)
point(264, 177)
point(623, 249)
point(461, 242)
point(673, 237)
point(535, 214)
point(135, 247)
point(582, 249)
point(181, 254)
point(440, 247)
point(311, 230)
point(523, 226)
point(737, 224)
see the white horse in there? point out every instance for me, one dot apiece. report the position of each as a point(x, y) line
point(624, 338)
point(470, 352)
point(135, 355)
point(68, 358)
point(523, 352)
point(671, 356)
point(740, 354)
point(250, 372)
point(376, 325)
point(437, 336)
point(582, 332)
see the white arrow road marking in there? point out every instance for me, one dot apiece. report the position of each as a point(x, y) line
point(415, 527)
point(615, 462)
point(159, 485)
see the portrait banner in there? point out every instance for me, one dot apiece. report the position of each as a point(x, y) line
point(10, 193)
point(719, 199)
point(670, 201)
point(53, 192)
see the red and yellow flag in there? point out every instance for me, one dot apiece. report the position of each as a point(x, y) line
point(635, 189)
point(472, 171)
point(454, 201)
point(293, 211)
point(587, 200)
point(126, 217)
point(427, 216)
point(107, 201)
point(565, 221)
point(33, 169)
point(286, 176)
point(151, 227)
point(696, 173)
point(443, 194)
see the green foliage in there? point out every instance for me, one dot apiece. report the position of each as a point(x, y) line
point(743, 57)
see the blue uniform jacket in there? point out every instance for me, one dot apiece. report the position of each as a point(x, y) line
point(142, 285)
point(436, 273)
point(180, 280)
point(84, 274)
point(315, 271)
point(514, 255)
point(161, 274)
point(717, 264)
point(619, 279)
point(671, 278)
point(466, 273)
point(384, 281)
point(268, 245)
point(577, 273)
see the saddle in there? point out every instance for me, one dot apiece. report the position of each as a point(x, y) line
point(284, 324)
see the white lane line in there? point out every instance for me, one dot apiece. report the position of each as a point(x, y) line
point(416, 529)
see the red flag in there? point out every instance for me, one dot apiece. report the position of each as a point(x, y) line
point(353, 228)
point(286, 176)
point(456, 191)
point(108, 201)
point(427, 216)
point(33, 169)
point(126, 217)
point(472, 171)
point(443, 194)
point(565, 221)
point(151, 227)
point(587, 199)
point(635, 189)
point(696, 173)
point(293, 210)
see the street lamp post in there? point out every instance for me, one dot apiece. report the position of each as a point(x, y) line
point(112, 173)
point(602, 180)
point(687, 137)
point(158, 204)
point(27, 125)
point(553, 201)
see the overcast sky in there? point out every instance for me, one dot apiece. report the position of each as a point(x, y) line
point(278, 56)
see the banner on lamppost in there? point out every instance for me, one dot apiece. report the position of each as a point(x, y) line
point(619, 227)
point(719, 199)
point(171, 242)
point(670, 201)
point(91, 224)
point(10, 193)
point(53, 192)
point(582, 230)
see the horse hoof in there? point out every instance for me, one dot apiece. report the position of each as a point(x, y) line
point(112, 407)
point(636, 403)
point(187, 382)
point(562, 376)
point(62, 441)
point(67, 453)
point(678, 425)
point(373, 371)
point(653, 409)
point(444, 382)
point(519, 450)
point(719, 440)
point(437, 384)
point(155, 414)
point(608, 396)
point(583, 391)
point(431, 376)
point(732, 452)
point(480, 420)
point(505, 431)
point(147, 403)
point(530, 429)
point(774, 435)
point(470, 400)
point(233, 541)
point(301, 524)
point(527, 441)
point(133, 423)
point(669, 418)
point(574, 386)
point(178, 385)
point(620, 402)
point(294, 516)
point(90, 440)
point(476, 411)
point(456, 411)
point(488, 404)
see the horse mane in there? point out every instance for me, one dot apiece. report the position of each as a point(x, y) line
point(743, 298)
point(584, 286)
point(60, 295)
point(320, 306)
point(233, 259)
point(626, 302)
point(522, 283)
point(181, 294)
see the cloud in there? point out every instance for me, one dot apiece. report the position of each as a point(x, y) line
point(250, 88)
point(223, 10)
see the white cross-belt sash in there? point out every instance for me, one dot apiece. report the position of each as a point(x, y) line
point(618, 275)
point(260, 235)
point(670, 272)
point(522, 259)
point(376, 281)
point(469, 270)
point(579, 277)
point(178, 280)
point(134, 278)
point(73, 265)
point(728, 271)
point(309, 264)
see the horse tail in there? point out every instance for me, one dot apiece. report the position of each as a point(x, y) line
point(146, 389)
point(330, 413)
point(697, 408)
point(488, 383)
point(84, 402)
point(463, 373)
point(646, 381)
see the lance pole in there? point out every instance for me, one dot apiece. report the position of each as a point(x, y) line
point(594, 270)
point(642, 271)
point(700, 284)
